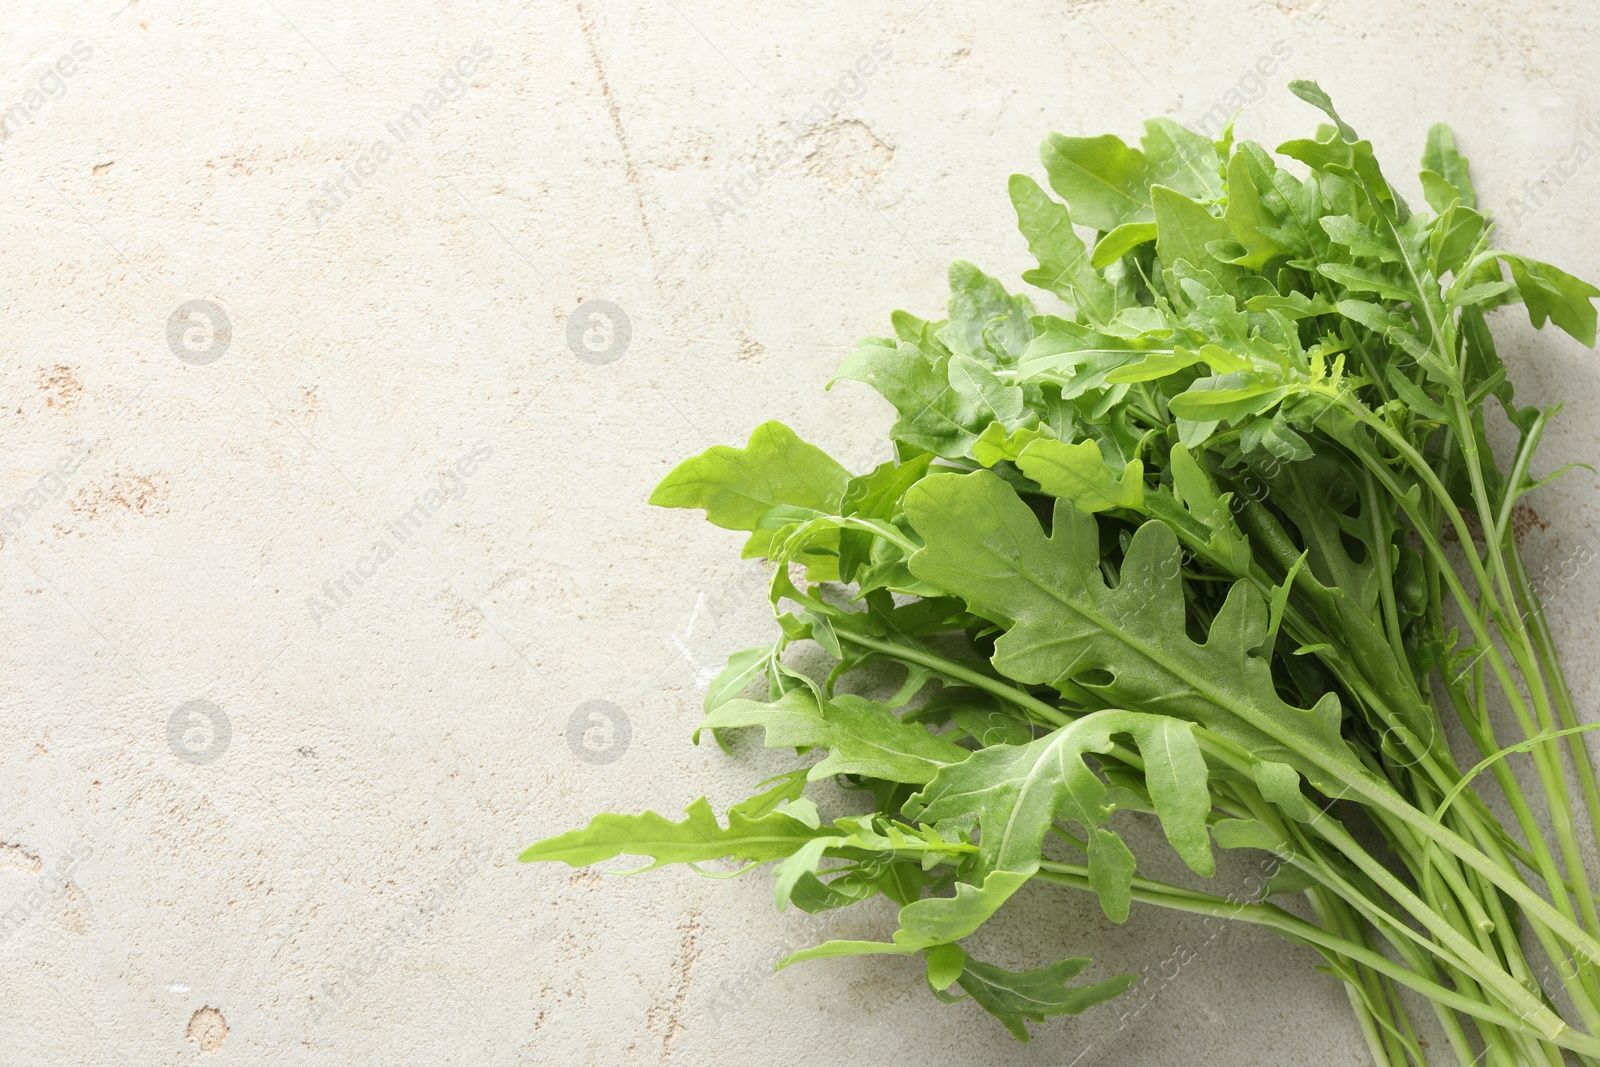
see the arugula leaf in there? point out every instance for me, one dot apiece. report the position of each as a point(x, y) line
point(736, 487)
point(982, 311)
point(1237, 537)
point(1180, 159)
point(1015, 996)
point(1078, 358)
point(1210, 399)
point(1444, 171)
point(1457, 233)
point(862, 737)
point(1018, 791)
point(1248, 218)
point(742, 669)
point(1554, 295)
point(1194, 489)
point(997, 444)
point(1078, 473)
point(1366, 280)
point(1064, 266)
point(1361, 241)
point(929, 922)
point(1120, 241)
point(1312, 93)
point(1185, 229)
point(1156, 366)
point(1103, 181)
point(756, 833)
point(944, 403)
point(1062, 621)
point(874, 495)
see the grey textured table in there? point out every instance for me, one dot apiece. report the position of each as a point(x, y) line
point(298, 608)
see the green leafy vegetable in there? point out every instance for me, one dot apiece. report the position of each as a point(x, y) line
point(1224, 546)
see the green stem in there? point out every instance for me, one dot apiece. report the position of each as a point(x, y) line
point(1379, 540)
point(1517, 640)
point(1544, 646)
point(1382, 797)
point(1553, 877)
point(944, 665)
point(1485, 970)
point(1363, 987)
point(1297, 929)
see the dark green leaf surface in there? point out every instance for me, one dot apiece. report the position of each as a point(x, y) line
point(1062, 621)
point(1013, 996)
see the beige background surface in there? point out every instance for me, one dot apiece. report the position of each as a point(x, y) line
point(334, 882)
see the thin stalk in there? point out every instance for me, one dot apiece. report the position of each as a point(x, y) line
point(1485, 970)
point(1275, 918)
point(1505, 985)
point(924, 657)
point(1469, 964)
point(1581, 984)
point(1544, 648)
point(1380, 545)
point(1363, 989)
point(1553, 877)
point(1517, 640)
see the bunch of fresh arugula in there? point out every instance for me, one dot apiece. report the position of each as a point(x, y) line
point(1222, 546)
